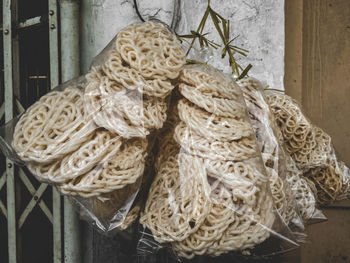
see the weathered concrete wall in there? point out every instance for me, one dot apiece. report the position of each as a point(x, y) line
point(259, 24)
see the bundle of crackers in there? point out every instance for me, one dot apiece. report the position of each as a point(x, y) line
point(91, 139)
point(217, 183)
point(312, 150)
point(210, 195)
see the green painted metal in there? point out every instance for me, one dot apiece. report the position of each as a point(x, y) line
point(53, 40)
point(2, 183)
point(69, 23)
point(36, 194)
point(9, 85)
point(30, 22)
point(19, 106)
point(69, 48)
point(54, 80)
point(12, 92)
point(2, 110)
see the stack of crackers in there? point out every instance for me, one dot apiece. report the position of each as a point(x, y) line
point(311, 149)
point(91, 140)
point(210, 194)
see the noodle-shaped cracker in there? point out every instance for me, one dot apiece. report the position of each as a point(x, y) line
point(210, 82)
point(117, 70)
point(178, 201)
point(221, 215)
point(218, 106)
point(250, 227)
point(129, 114)
point(328, 182)
point(148, 112)
point(151, 49)
point(241, 177)
point(89, 154)
point(52, 127)
point(267, 133)
point(210, 125)
point(47, 172)
point(114, 172)
point(195, 144)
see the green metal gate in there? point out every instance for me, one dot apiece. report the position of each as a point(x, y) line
point(58, 25)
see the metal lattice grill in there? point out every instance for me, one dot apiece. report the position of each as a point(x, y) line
point(31, 67)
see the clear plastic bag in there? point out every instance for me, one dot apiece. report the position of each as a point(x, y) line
point(91, 136)
point(273, 154)
point(304, 192)
point(211, 193)
point(312, 150)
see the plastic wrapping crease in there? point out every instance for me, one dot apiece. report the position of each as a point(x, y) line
point(272, 153)
point(293, 195)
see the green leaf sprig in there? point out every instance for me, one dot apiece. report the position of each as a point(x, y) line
point(222, 26)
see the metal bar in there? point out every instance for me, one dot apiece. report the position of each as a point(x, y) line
point(32, 190)
point(54, 80)
point(15, 53)
point(53, 39)
point(16, 94)
point(30, 22)
point(69, 11)
point(33, 202)
point(2, 183)
point(3, 209)
point(2, 110)
point(35, 21)
point(19, 106)
point(2, 180)
point(8, 83)
point(69, 22)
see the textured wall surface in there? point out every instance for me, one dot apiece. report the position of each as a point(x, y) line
point(259, 24)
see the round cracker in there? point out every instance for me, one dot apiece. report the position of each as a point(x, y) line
point(251, 227)
point(218, 220)
point(52, 127)
point(119, 71)
point(151, 49)
point(115, 171)
point(211, 125)
point(195, 144)
point(210, 82)
point(173, 211)
point(218, 106)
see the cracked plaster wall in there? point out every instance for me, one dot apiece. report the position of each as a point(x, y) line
point(259, 24)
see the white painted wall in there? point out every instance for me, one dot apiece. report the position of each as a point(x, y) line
point(259, 24)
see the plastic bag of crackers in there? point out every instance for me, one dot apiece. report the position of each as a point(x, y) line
point(293, 195)
point(211, 193)
point(311, 149)
point(91, 137)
